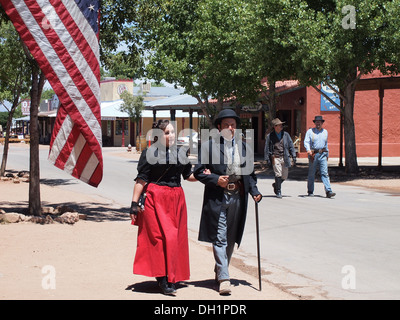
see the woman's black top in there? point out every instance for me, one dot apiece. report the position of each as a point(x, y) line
point(152, 172)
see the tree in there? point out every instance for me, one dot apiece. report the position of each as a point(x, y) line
point(47, 94)
point(120, 67)
point(339, 41)
point(114, 29)
point(37, 82)
point(120, 49)
point(199, 46)
point(269, 50)
point(133, 105)
point(14, 80)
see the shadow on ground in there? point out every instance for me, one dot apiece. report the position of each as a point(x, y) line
point(93, 211)
point(151, 287)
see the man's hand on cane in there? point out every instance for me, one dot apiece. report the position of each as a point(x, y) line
point(257, 198)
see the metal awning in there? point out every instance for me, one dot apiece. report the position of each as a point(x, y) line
point(178, 102)
point(111, 110)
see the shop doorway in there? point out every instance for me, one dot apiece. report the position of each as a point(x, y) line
point(251, 123)
point(286, 116)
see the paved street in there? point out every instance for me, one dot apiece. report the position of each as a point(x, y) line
point(341, 248)
point(316, 243)
point(310, 246)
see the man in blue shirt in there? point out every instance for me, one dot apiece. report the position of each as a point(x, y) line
point(316, 144)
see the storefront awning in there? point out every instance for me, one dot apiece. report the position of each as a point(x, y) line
point(110, 110)
point(175, 102)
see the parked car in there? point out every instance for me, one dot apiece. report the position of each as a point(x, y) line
point(184, 140)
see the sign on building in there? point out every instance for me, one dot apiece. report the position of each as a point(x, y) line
point(121, 89)
point(26, 107)
point(326, 105)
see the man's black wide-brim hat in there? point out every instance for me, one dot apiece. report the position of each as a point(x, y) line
point(318, 118)
point(226, 113)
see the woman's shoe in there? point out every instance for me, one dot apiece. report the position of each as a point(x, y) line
point(172, 286)
point(165, 288)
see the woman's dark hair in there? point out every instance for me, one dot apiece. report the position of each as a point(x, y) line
point(160, 124)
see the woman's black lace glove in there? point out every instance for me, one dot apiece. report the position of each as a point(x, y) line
point(134, 208)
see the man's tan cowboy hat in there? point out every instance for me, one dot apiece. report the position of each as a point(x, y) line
point(276, 122)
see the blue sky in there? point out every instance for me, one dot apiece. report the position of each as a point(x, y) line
point(2, 109)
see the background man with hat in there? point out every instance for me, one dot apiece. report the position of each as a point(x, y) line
point(316, 144)
point(225, 193)
point(278, 150)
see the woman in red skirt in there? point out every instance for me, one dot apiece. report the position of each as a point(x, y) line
point(162, 245)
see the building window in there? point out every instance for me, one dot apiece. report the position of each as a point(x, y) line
point(109, 129)
point(118, 128)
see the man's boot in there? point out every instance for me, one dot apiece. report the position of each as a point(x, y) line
point(274, 186)
point(278, 183)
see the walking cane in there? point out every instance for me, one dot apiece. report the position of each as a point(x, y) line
point(258, 246)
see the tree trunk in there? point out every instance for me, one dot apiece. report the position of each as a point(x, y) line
point(351, 165)
point(34, 171)
point(6, 142)
point(271, 104)
point(8, 130)
point(210, 111)
point(271, 100)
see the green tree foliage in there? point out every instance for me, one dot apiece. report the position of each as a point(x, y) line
point(30, 70)
point(14, 80)
point(133, 105)
point(339, 41)
point(199, 45)
point(270, 52)
point(121, 52)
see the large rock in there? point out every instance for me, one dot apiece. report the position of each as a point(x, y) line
point(49, 216)
point(41, 220)
point(11, 217)
point(47, 210)
point(68, 217)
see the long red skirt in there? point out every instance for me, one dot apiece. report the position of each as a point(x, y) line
point(162, 245)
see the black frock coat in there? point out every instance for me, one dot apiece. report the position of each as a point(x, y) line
point(214, 194)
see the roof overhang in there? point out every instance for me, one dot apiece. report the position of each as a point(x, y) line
point(378, 83)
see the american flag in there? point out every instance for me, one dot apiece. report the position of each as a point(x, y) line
point(63, 37)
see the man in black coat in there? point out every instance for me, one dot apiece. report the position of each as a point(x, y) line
point(228, 181)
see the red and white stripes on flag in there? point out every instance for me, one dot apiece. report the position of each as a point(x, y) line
point(63, 37)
